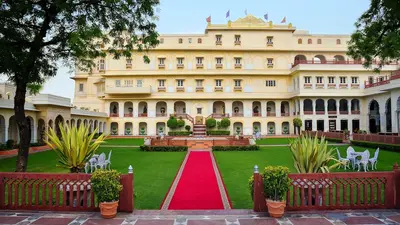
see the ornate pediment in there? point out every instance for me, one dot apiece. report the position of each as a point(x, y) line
point(249, 19)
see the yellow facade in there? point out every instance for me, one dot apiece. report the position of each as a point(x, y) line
point(253, 71)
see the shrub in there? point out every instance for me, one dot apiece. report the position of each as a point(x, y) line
point(276, 182)
point(179, 133)
point(236, 148)
point(106, 185)
point(218, 132)
point(297, 122)
point(3, 147)
point(10, 143)
point(172, 122)
point(74, 148)
point(37, 144)
point(375, 145)
point(219, 125)
point(211, 123)
point(225, 122)
point(187, 128)
point(336, 140)
point(311, 155)
point(181, 123)
point(146, 148)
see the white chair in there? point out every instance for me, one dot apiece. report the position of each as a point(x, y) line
point(345, 162)
point(350, 155)
point(92, 164)
point(374, 160)
point(101, 161)
point(364, 161)
point(108, 161)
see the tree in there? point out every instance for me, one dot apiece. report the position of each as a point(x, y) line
point(298, 123)
point(377, 34)
point(35, 35)
point(172, 122)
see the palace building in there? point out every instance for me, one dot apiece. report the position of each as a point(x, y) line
point(259, 74)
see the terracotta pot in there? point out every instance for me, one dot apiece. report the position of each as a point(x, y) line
point(275, 208)
point(108, 209)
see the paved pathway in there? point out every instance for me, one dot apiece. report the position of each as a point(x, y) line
point(274, 145)
point(217, 217)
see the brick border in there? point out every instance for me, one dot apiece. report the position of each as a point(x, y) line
point(222, 190)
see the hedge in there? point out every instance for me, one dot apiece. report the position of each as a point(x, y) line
point(218, 132)
point(146, 148)
point(179, 133)
point(375, 145)
point(236, 148)
point(337, 140)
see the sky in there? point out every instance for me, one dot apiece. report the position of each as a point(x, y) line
point(189, 16)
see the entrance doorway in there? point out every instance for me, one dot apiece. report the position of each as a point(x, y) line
point(332, 124)
point(344, 125)
point(320, 125)
point(308, 125)
point(356, 125)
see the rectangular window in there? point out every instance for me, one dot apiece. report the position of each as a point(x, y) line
point(190, 40)
point(343, 80)
point(237, 38)
point(307, 80)
point(199, 83)
point(270, 40)
point(81, 87)
point(219, 60)
point(270, 83)
point(139, 83)
point(129, 62)
point(199, 60)
point(331, 80)
point(354, 80)
point(270, 61)
point(238, 60)
point(128, 83)
point(218, 38)
point(161, 61)
point(180, 61)
point(238, 83)
point(320, 80)
point(179, 83)
point(102, 65)
point(161, 83)
point(117, 83)
point(199, 110)
point(381, 78)
point(218, 83)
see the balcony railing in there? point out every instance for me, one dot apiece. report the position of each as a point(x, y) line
point(256, 114)
point(114, 114)
point(127, 89)
point(332, 112)
point(271, 113)
point(199, 89)
point(308, 112)
point(179, 65)
point(238, 42)
point(161, 88)
point(237, 88)
point(142, 114)
point(344, 112)
point(161, 115)
point(341, 62)
point(320, 112)
point(382, 81)
point(128, 115)
point(285, 114)
point(356, 112)
point(238, 114)
point(218, 115)
point(218, 65)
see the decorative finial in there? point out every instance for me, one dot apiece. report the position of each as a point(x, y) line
point(229, 23)
point(256, 169)
point(290, 25)
point(270, 24)
point(130, 169)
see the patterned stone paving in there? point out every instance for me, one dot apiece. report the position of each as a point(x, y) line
point(212, 217)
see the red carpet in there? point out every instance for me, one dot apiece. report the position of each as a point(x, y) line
point(197, 187)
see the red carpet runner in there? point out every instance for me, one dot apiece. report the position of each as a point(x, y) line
point(197, 187)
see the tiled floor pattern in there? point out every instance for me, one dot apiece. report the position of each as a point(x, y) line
point(222, 217)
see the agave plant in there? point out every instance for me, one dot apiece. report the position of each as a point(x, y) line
point(311, 155)
point(74, 147)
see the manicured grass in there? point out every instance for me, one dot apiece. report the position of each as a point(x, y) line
point(237, 167)
point(273, 141)
point(124, 141)
point(153, 171)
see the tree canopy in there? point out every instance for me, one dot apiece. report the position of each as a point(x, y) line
point(378, 33)
point(35, 35)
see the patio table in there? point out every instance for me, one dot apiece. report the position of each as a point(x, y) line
point(355, 155)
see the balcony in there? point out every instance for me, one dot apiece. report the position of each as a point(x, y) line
point(180, 66)
point(343, 112)
point(161, 66)
point(332, 112)
point(237, 114)
point(180, 89)
point(320, 112)
point(307, 86)
point(256, 114)
point(128, 66)
point(238, 65)
point(270, 43)
point(308, 112)
point(355, 86)
point(114, 115)
point(218, 65)
point(238, 42)
point(218, 88)
point(161, 115)
point(142, 114)
point(218, 42)
point(270, 65)
point(343, 86)
point(199, 65)
point(199, 89)
point(319, 86)
point(355, 112)
point(161, 89)
point(331, 86)
point(237, 88)
point(127, 89)
point(128, 115)
point(285, 114)
point(338, 62)
point(271, 114)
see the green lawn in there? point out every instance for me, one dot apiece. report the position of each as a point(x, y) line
point(153, 171)
point(273, 141)
point(124, 141)
point(237, 167)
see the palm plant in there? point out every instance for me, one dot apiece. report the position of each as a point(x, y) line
point(311, 155)
point(74, 147)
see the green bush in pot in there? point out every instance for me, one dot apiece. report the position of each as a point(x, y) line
point(276, 184)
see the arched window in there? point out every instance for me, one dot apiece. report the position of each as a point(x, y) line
point(319, 41)
point(199, 41)
point(161, 40)
point(180, 41)
point(338, 41)
point(299, 41)
point(309, 41)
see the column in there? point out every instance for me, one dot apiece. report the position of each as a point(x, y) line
point(382, 116)
point(395, 114)
point(349, 106)
point(228, 107)
point(326, 107)
point(314, 105)
point(121, 109)
point(278, 127)
point(6, 126)
point(151, 108)
point(121, 128)
point(263, 108)
point(314, 124)
point(170, 107)
point(135, 105)
point(247, 109)
point(350, 125)
point(107, 108)
point(338, 107)
point(34, 137)
point(302, 107)
point(278, 108)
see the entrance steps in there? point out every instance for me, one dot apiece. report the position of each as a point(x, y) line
point(199, 130)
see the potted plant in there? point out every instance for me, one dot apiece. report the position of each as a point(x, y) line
point(114, 131)
point(276, 184)
point(237, 130)
point(160, 130)
point(311, 155)
point(142, 131)
point(285, 130)
point(106, 186)
point(128, 131)
point(271, 130)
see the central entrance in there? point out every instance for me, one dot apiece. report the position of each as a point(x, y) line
point(199, 120)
